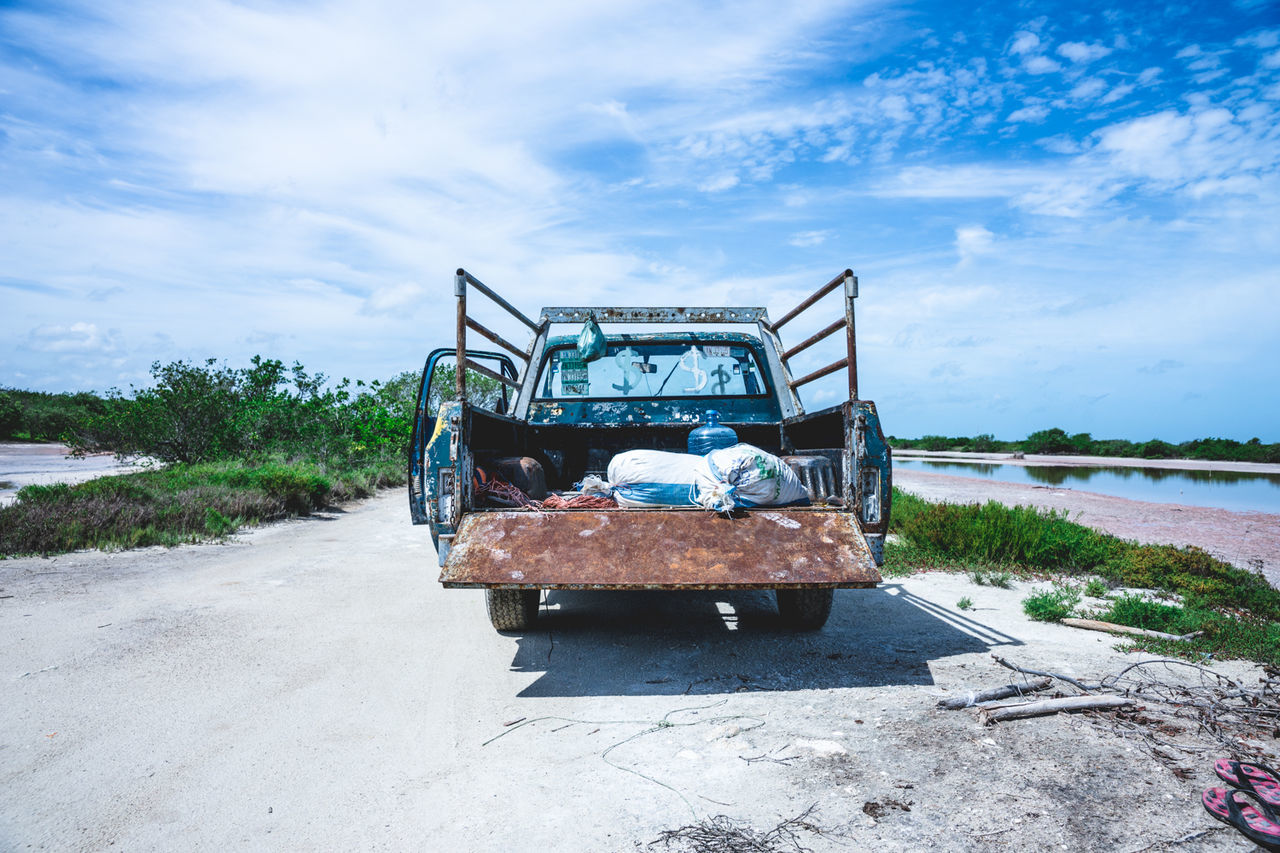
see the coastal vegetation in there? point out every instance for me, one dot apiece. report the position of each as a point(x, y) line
point(229, 447)
point(1056, 441)
point(1236, 610)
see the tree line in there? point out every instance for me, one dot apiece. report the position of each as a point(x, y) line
point(1057, 441)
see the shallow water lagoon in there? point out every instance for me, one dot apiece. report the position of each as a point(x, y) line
point(1232, 490)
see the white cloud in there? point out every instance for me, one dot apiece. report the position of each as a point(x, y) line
point(79, 337)
point(1118, 93)
point(1149, 75)
point(805, 239)
point(1024, 42)
point(398, 298)
point(972, 241)
point(720, 183)
point(1088, 88)
point(1040, 65)
point(1080, 52)
point(1262, 39)
point(1034, 113)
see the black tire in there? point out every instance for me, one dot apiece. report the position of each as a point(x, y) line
point(512, 609)
point(804, 609)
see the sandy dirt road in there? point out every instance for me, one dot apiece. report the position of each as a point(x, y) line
point(310, 686)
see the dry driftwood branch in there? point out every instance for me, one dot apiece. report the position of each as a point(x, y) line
point(1005, 692)
point(1085, 687)
point(1053, 706)
point(1113, 628)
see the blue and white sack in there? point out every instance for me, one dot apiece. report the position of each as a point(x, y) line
point(656, 478)
point(756, 478)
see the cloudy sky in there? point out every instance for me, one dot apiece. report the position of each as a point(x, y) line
point(1062, 214)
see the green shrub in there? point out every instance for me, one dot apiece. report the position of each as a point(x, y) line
point(1052, 605)
point(1194, 572)
point(965, 603)
point(1038, 539)
point(1096, 588)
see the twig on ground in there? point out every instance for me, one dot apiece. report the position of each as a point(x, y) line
point(1086, 688)
point(723, 834)
point(973, 698)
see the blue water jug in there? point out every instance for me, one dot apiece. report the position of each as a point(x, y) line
point(711, 436)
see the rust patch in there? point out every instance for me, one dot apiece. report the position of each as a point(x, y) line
point(660, 549)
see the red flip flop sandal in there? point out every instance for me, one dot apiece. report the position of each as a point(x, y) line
point(1255, 823)
point(1254, 778)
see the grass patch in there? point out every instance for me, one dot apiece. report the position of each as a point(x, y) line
point(1224, 635)
point(1052, 605)
point(992, 577)
point(965, 603)
point(180, 503)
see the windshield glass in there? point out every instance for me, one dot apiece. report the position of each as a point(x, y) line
point(634, 370)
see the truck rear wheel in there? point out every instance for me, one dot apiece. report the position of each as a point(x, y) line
point(804, 609)
point(512, 609)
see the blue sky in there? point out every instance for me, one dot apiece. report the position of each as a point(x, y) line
point(1061, 214)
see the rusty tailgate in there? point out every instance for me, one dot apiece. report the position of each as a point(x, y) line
point(659, 549)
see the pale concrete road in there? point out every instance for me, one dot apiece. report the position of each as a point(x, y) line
point(311, 687)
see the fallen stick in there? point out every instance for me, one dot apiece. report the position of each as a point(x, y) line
point(1113, 628)
point(1052, 706)
point(1005, 692)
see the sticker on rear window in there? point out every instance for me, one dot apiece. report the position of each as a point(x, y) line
point(573, 376)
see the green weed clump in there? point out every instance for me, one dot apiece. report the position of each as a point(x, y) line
point(1096, 588)
point(992, 577)
point(1052, 605)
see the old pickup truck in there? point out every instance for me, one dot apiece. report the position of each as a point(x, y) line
point(558, 418)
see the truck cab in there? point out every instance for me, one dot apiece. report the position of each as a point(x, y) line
point(547, 414)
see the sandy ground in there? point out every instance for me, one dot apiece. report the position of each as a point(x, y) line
point(309, 686)
point(25, 464)
point(1246, 539)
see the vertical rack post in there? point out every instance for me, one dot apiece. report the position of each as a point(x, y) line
point(460, 291)
point(850, 294)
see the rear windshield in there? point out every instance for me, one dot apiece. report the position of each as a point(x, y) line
point(637, 370)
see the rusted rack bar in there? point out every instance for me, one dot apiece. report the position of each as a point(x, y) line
point(818, 374)
point(801, 347)
point(483, 288)
point(823, 291)
point(492, 374)
point(498, 339)
point(654, 315)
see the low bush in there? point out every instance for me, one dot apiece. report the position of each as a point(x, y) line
point(1052, 605)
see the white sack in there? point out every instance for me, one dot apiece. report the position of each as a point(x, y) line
point(657, 478)
point(758, 478)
